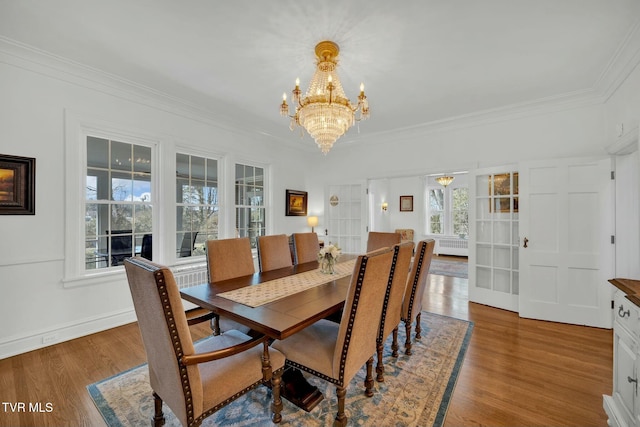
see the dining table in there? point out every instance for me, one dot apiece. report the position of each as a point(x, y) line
point(279, 303)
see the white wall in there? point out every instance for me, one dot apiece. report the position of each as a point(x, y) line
point(35, 95)
point(622, 114)
point(35, 98)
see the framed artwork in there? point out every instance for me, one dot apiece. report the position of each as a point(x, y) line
point(406, 203)
point(296, 203)
point(17, 185)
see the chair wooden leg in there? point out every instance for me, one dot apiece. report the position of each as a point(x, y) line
point(215, 325)
point(276, 404)
point(341, 417)
point(407, 342)
point(158, 416)
point(418, 328)
point(379, 365)
point(368, 381)
point(394, 344)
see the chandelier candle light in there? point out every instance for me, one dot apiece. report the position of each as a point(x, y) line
point(325, 111)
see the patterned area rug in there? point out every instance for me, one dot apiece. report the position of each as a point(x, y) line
point(416, 391)
point(449, 268)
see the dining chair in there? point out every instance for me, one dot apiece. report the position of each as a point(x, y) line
point(228, 259)
point(412, 303)
point(378, 239)
point(336, 352)
point(406, 234)
point(392, 306)
point(274, 252)
point(146, 249)
point(188, 244)
point(195, 379)
point(305, 247)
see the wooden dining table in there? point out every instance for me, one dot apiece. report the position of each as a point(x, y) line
point(281, 318)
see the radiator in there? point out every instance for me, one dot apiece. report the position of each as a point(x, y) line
point(190, 275)
point(452, 246)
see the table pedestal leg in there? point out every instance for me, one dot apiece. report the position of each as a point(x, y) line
point(298, 391)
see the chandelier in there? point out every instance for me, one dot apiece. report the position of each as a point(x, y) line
point(445, 180)
point(325, 111)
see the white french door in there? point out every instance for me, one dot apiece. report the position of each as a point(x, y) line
point(493, 252)
point(346, 210)
point(566, 253)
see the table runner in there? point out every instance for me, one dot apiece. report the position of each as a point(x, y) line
point(257, 295)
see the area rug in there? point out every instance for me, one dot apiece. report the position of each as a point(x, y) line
point(416, 391)
point(449, 268)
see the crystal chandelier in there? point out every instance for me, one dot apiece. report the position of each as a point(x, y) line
point(444, 180)
point(325, 111)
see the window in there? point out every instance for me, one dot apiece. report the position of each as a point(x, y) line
point(118, 205)
point(436, 211)
point(197, 214)
point(448, 208)
point(460, 211)
point(250, 202)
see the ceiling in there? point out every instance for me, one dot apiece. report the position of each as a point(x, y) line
point(422, 61)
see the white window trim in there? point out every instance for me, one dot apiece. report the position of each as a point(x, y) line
point(448, 208)
point(77, 128)
point(268, 201)
point(222, 191)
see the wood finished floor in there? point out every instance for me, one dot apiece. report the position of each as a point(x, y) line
point(517, 372)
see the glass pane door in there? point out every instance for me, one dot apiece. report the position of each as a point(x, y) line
point(493, 257)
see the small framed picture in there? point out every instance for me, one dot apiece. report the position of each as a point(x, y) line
point(406, 203)
point(296, 203)
point(17, 185)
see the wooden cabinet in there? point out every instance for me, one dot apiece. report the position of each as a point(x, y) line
point(623, 406)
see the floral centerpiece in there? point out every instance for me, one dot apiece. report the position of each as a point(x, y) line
point(327, 258)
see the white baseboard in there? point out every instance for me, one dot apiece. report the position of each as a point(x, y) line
point(65, 332)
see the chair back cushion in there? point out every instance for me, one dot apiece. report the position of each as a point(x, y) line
point(406, 234)
point(165, 334)
point(378, 240)
point(274, 252)
point(412, 303)
point(229, 258)
point(305, 247)
point(360, 321)
point(392, 309)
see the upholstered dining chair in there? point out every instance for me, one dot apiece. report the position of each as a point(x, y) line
point(195, 379)
point(412, 303)
point(392, 306)
point(336, 352)
point(305, 247)
point(378, 239)
point(274, 252)
point(228, 259)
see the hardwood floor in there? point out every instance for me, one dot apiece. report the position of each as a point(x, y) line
point(517, 372)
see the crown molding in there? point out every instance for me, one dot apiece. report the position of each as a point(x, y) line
point(622, 63)
point(625, 144)
point(35, 60)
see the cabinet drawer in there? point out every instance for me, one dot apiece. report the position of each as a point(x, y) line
point(626, 313)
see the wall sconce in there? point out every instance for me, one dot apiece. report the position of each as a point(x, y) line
point(312, 221)
point(385, 206)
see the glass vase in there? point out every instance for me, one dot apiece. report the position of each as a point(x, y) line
point(327, 265)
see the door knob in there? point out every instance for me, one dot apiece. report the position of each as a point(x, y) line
point(526, 241)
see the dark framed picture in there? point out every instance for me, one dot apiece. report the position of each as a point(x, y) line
point(406, 203)
point(296, 203)
point(17, 185)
